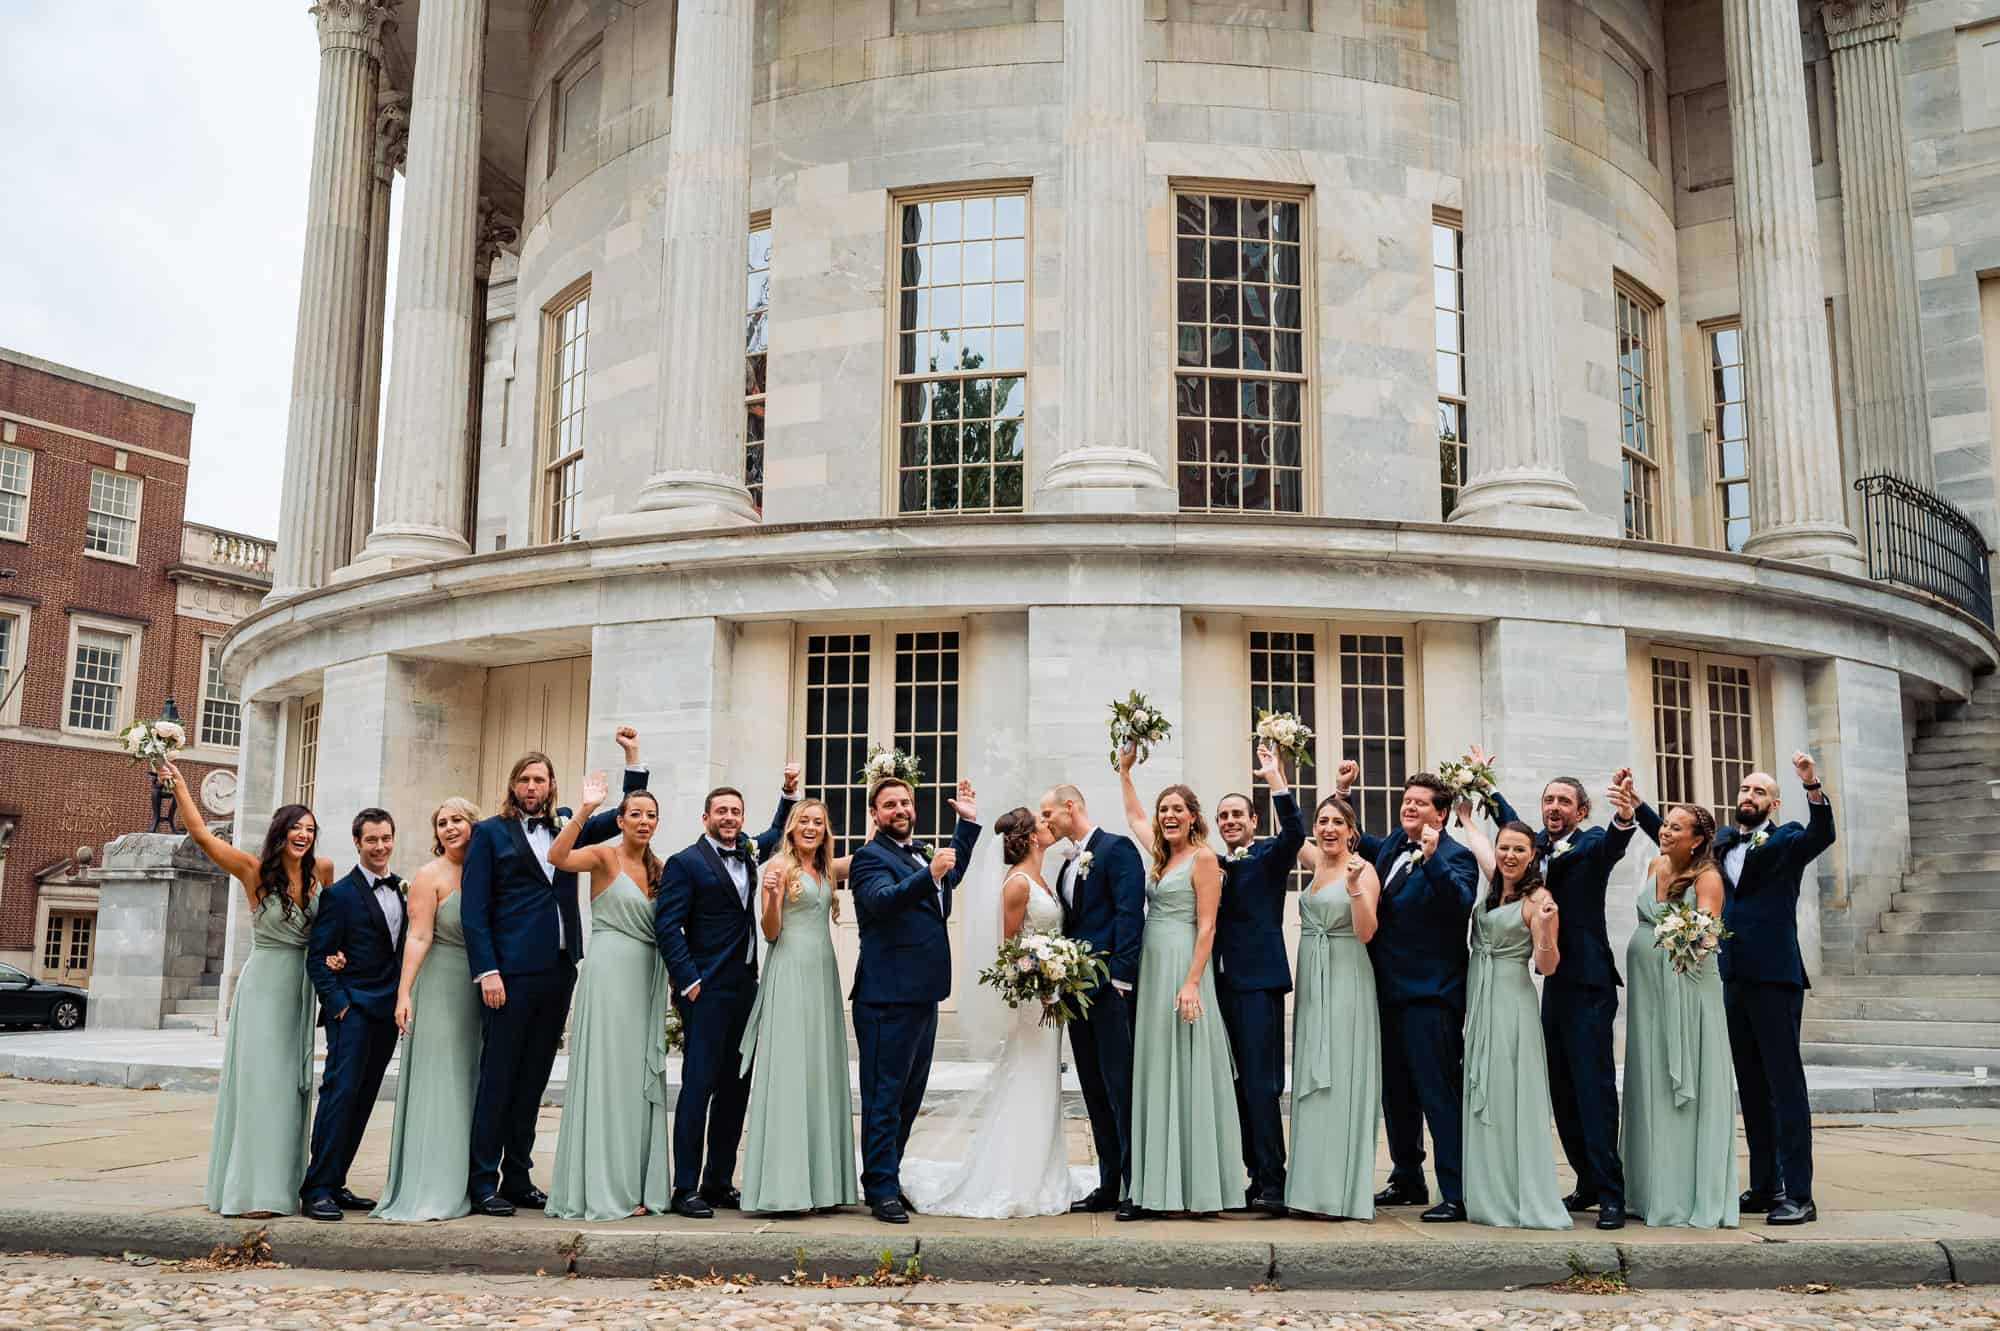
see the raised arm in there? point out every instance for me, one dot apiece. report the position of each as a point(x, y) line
point(1473, 837)
point(1364, 894)
point(1447, 881)
point(1543, 919)
point(771, 918)
point(1291, 838)
point(1207, 896)
point(563, 851)
point(1135, 808)
point(238, 863)
point(1344, 776)
point(1819, 809)
point(788, 795)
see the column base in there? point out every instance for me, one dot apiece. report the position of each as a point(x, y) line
point(402, 546)
point(1105, 480)
point(1528, 499)
point(684, 501)
point(1828, 545)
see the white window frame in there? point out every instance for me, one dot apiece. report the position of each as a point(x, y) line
point(305, 776)
point(131, 555)
point(1450, 403)
point(552, 469)
point(1701, 724)
point(211, 679)
point(756, 359)
point(128, 676)
point(1654, 414)
point(27, 491)
point(19, 616)
point(1720, 483)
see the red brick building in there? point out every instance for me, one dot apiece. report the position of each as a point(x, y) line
point(110, 603)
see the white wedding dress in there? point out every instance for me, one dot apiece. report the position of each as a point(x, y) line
point(1004, 1149)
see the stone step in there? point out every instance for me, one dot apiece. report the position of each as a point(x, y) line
point(1926, 921)
point(1935, 780)
point(1906, 986)
point(1953, 816)
point(187, 1021)
point(1914, 1035)
point(1956, 861)
point(1927, 964)
point(1937, 1058)
point(1961, 740)
point(1945, 898)
point(1980, 1009)
point(1928, 759)
point(1958, 884)
point(1959, 838)
point(1959, 725)
point(194, 1007)
point(1958, 941)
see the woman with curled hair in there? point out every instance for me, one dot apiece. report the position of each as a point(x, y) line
point(1187, 1151)
point(611, 1151)
point(800, 1152)
point(1336, 1035)
point(437, 1077)
point(1679, 1130)
point(257, 1153)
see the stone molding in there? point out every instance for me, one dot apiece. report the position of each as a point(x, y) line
point(1855, 22)
point(497, 233)
point(354, 25)
point(392, 134)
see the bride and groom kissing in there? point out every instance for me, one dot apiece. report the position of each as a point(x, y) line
point(1015, 1162)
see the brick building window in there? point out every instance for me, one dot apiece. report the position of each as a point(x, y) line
point(1240, 387)
point(564, 377)
point(100, 675)
point(1639, 373)
point(961, 381)
point(756, 360)
point(1448, 301)
point(221, 712)
point(17, 469)
point(13, 648)
point(111, 527)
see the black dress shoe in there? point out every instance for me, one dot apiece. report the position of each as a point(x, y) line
point(1753, 1202)
point(347, 1201)
point(1398, 1195)
point(320, 1208)
point(1444, 1213)
point(493, 1204)
point(890, 1212)
point(1131, 1210)
point(724, 1198)
point(1792, 1211)
point(691, 1205)
point(1611, 1216)
point(1576, 1201)
point(1097, 1200)
point(1268, 1203)
point(530, 1198)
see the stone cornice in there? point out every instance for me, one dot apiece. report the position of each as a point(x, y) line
point(1856, 22)
point(353, 25)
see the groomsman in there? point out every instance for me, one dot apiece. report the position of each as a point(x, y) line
point(1764, 984)
point(360, 918)
point(705, 922)
point(1580, 1001)
point(1252, 975)
point(1429, 883)
point(523, 938)
point(902, 898)
point(1102, 887)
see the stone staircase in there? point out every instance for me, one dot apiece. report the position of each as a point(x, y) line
point(194, 1011)
point(1927, 991)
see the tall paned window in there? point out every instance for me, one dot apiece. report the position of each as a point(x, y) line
point(1374, 723)
point(1284, 677)
point(1639, 370)
point(1704, 728)
point(221, 712)
point(16, 465)
point(961, 354)
point(927, 721)
point(1448, 300)
point(565, 376)
point(837, 679)
point(1673, 729)
point(756, 361)
point(111, 526)
point(97, 681)
point(1240, 387)
point(1731, 733)
point(1731, 434)
point(11, 648)
point(308, 749)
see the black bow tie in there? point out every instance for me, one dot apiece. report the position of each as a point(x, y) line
point(739, 851)
point(391, 882)
point(542, 822)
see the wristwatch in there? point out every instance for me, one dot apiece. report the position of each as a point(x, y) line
point(1813, 785)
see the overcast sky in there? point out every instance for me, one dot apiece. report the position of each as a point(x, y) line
point(156, 156)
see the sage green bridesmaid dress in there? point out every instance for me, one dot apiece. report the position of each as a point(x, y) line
point(1187, 1152)
point(1336, 1063)
point(1679, 1128)
point(1510, 1159)
point(437, 1076)
point(263, 1107)
point(611, 1150)
point(800, 1151)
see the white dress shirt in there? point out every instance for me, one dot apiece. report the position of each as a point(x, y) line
point(1732, 859)
point(389, 899)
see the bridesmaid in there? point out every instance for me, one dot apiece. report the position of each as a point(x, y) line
point(257, 1155)
point(1187, 1151)
point(611, 1150)
point(437, 1073)
point(1336, 1036)
point(800, 1152)
point(1510, 1164)
point(1679, 1134)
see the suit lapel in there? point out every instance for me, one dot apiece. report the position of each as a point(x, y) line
point(713, 859)
point(374, 906)
point(519, 832)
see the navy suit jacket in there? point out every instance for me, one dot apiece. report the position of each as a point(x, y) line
point(1761, 908)
point(1109, 910)
point(905, 952)
point(1250, 920)
point(350, 920)
point(1419, 945)
point(1577, 879)
point(510, 909)
point(702, 927)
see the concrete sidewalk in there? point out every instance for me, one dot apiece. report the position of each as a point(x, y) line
point(1907, 1198)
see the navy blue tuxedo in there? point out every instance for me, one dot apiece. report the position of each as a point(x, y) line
point(1107, 909)
point(1580, 1004)
point(1420, 961)
point(706, 931)
point(524, 925)
point(903, 974)
point(357, 1005)
point(1252, 978)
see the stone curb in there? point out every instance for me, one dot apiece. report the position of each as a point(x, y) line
point(1406, 1264)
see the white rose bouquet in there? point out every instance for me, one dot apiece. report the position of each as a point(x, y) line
point(153, 743)
point(1137, 722)
point(1288, 735)
point(883, 763)
point(1470, 780)
point(1056, 972)
point(1689, 936)
point(676, 1037)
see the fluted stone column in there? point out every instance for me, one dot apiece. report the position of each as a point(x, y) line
point(698, 448)
point(1796, 507)
point(1514, 435)
point(320, 436)
point(421, 504)
point(1104, 465)
point(392, 140)
point(1894, 425)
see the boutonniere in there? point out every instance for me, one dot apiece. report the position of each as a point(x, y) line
point(1561, 848)
point(920, 849)
point(557, 824)
point(1083, 863)
point(1759, 837)
point(1239, 854)
point(1416, 856)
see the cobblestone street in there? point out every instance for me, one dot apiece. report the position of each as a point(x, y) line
point(76, 1294)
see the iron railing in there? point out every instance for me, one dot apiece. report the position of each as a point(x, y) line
point(1920, 541)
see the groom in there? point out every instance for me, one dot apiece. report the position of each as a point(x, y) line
point(902, 898)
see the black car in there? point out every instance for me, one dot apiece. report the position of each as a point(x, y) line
point(24, 1000)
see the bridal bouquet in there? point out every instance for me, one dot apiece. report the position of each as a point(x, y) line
point(1689, 936)
point(153, 743)
point(1469, 780)
point(1288, 735)
point(883, 763)
point(1137, 722)
point(1056, 972)
point(676, 1037)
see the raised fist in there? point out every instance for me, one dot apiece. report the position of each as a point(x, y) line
point(1345, 775)
point(791, 786)
point(628, 740)
point(943, 863)
point(1428, 842)
point(1802, 763)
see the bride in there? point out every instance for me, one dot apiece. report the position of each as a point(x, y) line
point(1000, 1152)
